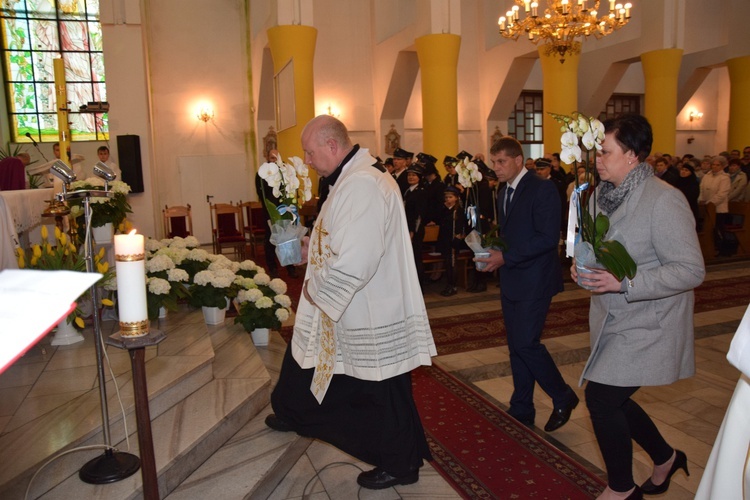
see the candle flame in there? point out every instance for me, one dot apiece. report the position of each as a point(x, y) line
point(132, 232)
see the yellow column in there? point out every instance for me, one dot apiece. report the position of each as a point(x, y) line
point(660, 71)
point(560, 93)
point(63, 127)
point(295, 43)
point(739, 103)
point(438, 62)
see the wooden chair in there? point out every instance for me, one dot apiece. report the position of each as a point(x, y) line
point(254, 229)
point(707, 212)
point(227, 229)
point(740, 218)
point(178, 221)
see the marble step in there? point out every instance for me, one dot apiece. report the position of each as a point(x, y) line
point(184, 437)
point(204, 384)
point(37, 434)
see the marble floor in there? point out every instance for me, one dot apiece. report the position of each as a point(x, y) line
point(257, 462)
point(688, 412)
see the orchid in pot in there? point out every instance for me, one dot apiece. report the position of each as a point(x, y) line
point(291, 185)
point(469, 176)
point(591, 245)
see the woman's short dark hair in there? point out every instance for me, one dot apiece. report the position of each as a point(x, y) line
point(632, 132)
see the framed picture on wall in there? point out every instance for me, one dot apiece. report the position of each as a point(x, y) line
point(283, 83)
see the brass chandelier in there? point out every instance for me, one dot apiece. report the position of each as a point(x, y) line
point(562, 22)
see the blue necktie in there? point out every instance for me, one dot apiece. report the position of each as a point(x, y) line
point(508, 195)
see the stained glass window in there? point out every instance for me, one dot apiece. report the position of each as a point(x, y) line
point(35, 32)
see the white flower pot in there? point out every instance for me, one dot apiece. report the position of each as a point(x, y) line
point(260, 336)
point(102, 234)
point(66, 334)
point(214, 315)
point(162, 312)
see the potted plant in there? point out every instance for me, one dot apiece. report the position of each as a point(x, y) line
point(107, 213)
point(264, 305)
point(210, 291)
point(165, 285)
point(591, 246)
point(291, 184)
point(65, 256)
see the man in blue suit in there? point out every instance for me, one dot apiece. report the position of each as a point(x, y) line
point(530, 275)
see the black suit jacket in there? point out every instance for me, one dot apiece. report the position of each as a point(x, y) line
point(531, 229)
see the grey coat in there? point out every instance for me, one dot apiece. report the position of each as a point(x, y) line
point(644, 335)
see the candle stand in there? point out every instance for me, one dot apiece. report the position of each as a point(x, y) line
point(136, 347)
point(113, 465)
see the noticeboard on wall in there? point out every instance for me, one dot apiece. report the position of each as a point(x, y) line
point(283, 82)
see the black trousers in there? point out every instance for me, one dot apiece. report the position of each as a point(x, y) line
point(376, 422)
point(530, 362)
point(617, 421)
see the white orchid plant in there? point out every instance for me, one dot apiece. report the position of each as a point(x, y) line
point(469, 176)
point(581, 140)
point(290, 183)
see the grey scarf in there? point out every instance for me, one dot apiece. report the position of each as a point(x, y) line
point(611, 197)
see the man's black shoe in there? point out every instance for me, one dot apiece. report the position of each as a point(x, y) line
point(560, 416)
point(479, 287)
point(378, 479)
point(527, 420)
point(277, 424)
point(449, 291)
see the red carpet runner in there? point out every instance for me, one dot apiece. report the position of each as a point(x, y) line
point(484, 453)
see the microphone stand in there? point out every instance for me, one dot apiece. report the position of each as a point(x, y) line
point(113, 465)
point(36, 146)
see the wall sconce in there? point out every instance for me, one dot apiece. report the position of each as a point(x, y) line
point(695, 116)
point(333, 111)
point(205, 114)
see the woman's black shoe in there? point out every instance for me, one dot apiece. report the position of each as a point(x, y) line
point(680, 462)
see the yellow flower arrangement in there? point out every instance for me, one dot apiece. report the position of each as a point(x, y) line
point(64, 256)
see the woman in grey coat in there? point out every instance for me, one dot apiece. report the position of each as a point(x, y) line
point(641, 329)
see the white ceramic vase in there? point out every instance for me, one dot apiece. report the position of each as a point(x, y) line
point(260, 336)
point(102, 234)
point(66, 334)
point(214, 315)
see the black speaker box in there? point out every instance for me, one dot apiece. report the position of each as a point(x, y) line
point(129, 156)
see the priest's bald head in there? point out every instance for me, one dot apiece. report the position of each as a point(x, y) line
point(326, 143)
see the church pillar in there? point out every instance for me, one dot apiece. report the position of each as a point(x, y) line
point(739, 103)
point(560, 92)
point(660, 70)
point(438, 60)
point(295, 43)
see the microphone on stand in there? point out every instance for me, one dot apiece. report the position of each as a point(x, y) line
point(36, 146)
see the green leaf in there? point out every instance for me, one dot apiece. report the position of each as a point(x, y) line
point(616, 259)
point(602, 224)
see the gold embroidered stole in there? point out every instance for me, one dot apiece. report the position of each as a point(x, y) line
point(326, 351)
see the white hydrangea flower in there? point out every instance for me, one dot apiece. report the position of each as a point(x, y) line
point(192, 242)
point(246, 283)
point(264, 303)
point(197, 254)
point(178, 275)
point(283, 300)
point(278, 286)
point(248, 265)
point(251, 295)
point(159, 263)
point(282, 314)
point(166, 241)
point(158, 286)
point(178, 242)
point(203, 278)
point(152, 245)
point(262, 278)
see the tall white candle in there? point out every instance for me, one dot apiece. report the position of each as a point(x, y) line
point(130, 264)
